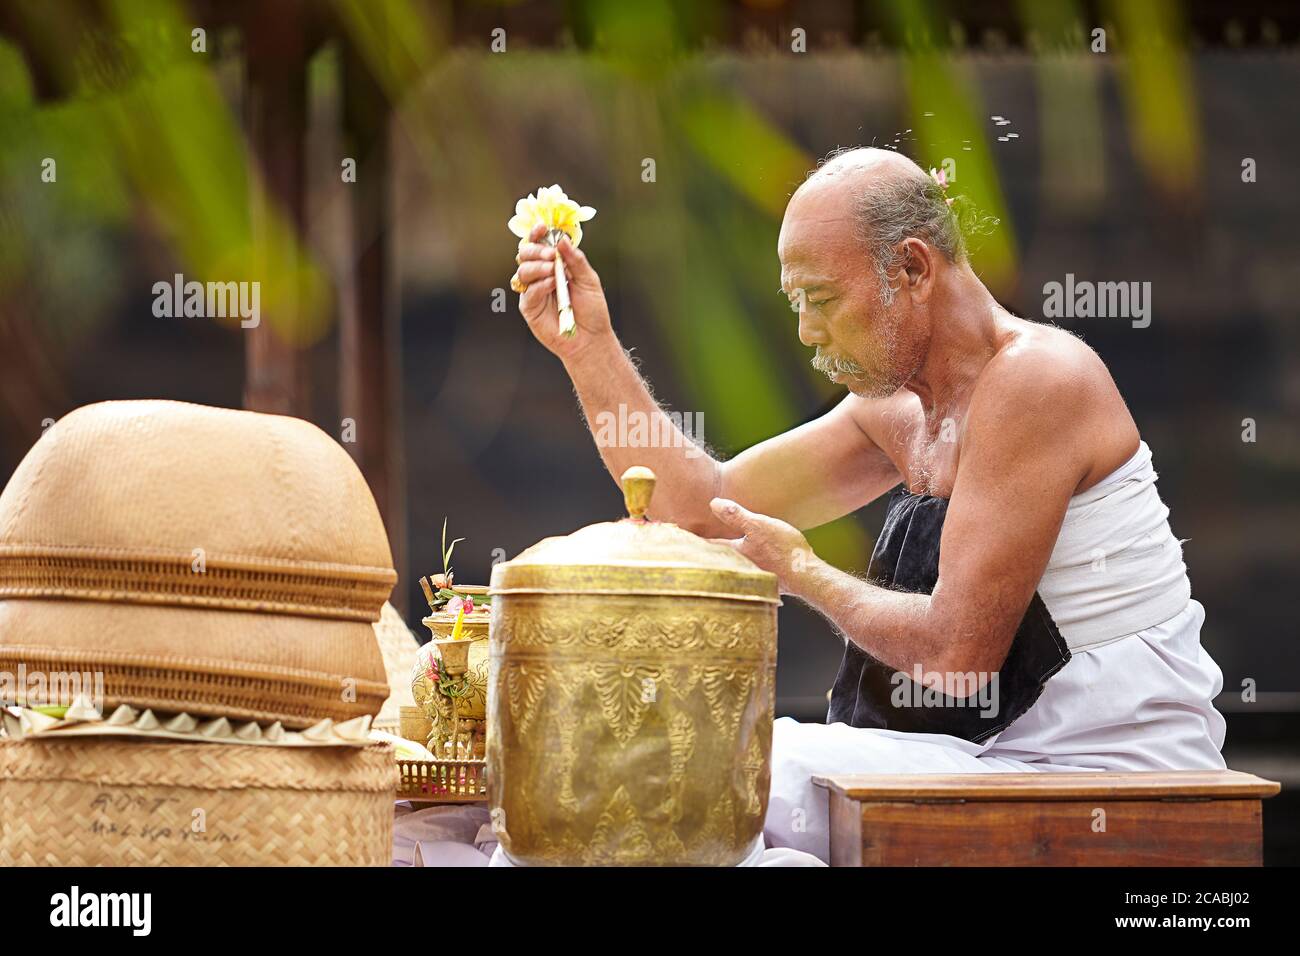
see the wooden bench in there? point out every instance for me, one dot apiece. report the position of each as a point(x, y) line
point(1185, 818)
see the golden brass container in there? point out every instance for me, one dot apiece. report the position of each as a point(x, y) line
point(630, 696)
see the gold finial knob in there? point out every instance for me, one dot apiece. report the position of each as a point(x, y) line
point(638, 488)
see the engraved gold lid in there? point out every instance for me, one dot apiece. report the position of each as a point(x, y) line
point(635, 555)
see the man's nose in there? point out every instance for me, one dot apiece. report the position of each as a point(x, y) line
point(810, 333)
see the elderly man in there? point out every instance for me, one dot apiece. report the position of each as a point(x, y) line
point(1026, 606)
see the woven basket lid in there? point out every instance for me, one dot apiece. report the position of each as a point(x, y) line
point(203, 559)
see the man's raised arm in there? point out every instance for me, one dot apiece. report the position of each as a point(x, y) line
point(807, 476)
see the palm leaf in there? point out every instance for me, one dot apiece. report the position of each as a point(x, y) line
point(446, 550)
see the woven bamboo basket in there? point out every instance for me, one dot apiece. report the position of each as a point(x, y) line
point(148, 803)
point(238, 578)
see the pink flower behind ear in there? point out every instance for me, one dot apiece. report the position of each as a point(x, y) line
point(940, 176)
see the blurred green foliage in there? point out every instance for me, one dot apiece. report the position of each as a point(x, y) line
point(1158, 91)
point(146, 134)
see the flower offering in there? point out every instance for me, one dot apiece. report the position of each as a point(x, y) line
point(552, 208)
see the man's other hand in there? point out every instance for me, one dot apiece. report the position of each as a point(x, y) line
point(769, 542)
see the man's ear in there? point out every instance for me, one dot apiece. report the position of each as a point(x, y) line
point(918, 269)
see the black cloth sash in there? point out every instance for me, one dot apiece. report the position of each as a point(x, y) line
point(868, 693)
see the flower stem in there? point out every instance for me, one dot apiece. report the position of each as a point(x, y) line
point(568, 325)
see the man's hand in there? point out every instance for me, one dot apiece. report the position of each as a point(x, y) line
point(769, 542)
point(537, 303)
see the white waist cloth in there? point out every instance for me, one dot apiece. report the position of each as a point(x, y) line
point(1116, 568)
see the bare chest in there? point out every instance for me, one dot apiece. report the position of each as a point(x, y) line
point(926, 452)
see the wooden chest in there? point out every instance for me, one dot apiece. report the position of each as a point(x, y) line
point(1185, 818)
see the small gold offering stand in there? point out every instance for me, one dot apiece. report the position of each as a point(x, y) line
point(450, 689)
point(442, 781)
point(437, 781)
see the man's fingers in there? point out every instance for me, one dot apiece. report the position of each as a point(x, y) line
point(575, 262)
point(733, 515)
point(536, 295)
point(532, 270)
point(536, 235)
point(540, 288)
point(534, 250)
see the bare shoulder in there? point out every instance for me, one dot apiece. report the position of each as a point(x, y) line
point(1045, 384)
point(890, 423)
point(1034, 357)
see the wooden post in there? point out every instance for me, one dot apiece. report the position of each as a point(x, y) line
point(275, 104)
point(370, 370)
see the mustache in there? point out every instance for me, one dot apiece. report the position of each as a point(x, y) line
point(830, 365)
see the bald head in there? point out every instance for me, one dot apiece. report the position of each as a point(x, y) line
point(860, 166)
point(876, 197)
